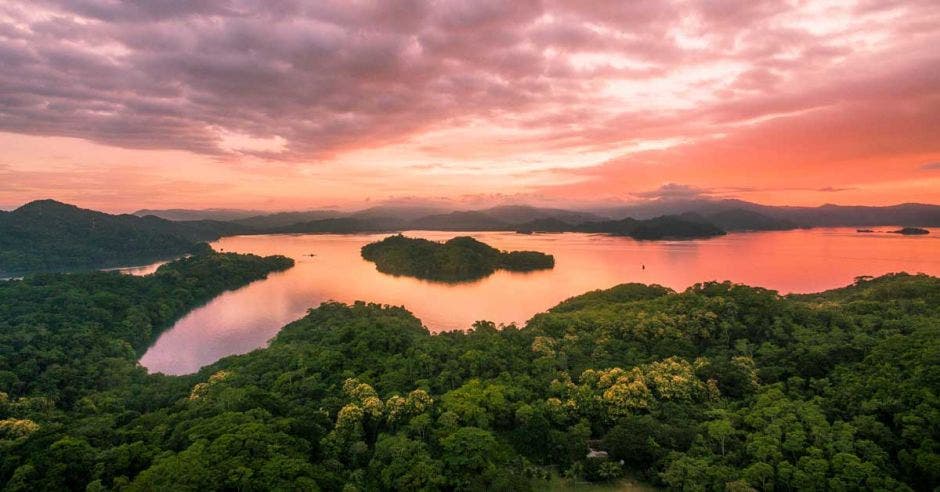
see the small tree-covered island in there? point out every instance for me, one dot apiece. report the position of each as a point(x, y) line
point(719, 387)
point(459, 259)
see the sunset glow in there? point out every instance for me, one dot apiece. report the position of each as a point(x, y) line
point(290, 105)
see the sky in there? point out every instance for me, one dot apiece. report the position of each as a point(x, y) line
point(289, 104)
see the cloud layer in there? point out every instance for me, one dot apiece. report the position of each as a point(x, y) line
point(572, 96)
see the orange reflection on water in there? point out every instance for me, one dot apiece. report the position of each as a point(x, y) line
point(788, 261)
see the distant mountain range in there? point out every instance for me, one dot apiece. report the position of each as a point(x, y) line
point(907, 214)
point(508, 218)
point(460, 221)
point(339, 225)
point(180, 214)
point(729, 214)
point(399, 212)
point(741, 219)
point(47, 235)
point(284, 219)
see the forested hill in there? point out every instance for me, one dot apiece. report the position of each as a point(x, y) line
point(458, 259)
point(63, 335)
point(47, 235)
point(719, 387)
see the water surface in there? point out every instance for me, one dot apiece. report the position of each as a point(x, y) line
point(329, 268)
point(139, 269)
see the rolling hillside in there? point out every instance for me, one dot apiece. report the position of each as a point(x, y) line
point(46, 235)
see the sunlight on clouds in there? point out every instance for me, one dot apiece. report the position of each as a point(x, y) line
point(683, 88)
point(593, 61)
point(355, 100)
point(239, 142)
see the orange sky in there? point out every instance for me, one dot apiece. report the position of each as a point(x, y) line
point(119, 106)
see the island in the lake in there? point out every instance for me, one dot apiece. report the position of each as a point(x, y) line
point(459, 259)
point(911, 231)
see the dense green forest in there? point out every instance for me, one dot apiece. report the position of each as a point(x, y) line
point(62, 335)
point(458, 259)
point(719, 387)
point(46, 235)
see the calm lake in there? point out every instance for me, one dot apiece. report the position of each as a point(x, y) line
point(329, 268)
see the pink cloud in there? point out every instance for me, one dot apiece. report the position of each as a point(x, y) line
point(786, 92)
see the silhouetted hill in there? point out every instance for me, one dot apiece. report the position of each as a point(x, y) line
point(658, 208)
point(501, 218)
point(283, 219)
point(727, 214)
point(620, 227)
point(545, 225)
point(674, 227)
point(739, 219)
point(907, 214)
point(460, 221)
point(400, 212)
point(179, 214)
point(685, 226)
point(193, 230)
point(520, 214)
point(48, 235)
point(343, 225)
point(389, 217)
